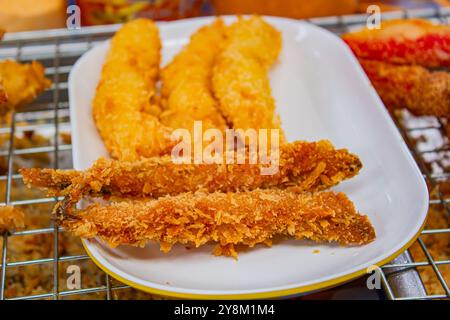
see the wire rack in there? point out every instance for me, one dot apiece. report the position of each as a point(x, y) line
point(58, 50)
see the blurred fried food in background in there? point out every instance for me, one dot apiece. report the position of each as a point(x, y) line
point(11, 218)
point(288, 8)
point(23, 15)
point(421, 91)
point(22, 83)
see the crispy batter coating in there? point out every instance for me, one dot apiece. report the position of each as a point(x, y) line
point(22, 83)
point(186, 89)
point(309, 166)
point(412, 41)
point(228, 219)
point(240, 80)
point(421, 91)
point(11, 218)
point(122, 107)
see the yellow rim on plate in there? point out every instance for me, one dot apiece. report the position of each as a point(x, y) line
point(260, 295)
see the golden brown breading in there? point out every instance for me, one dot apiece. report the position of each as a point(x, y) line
point(240, 80)
point(11, 218)
point(421, 91)
point(242, 218)
point(122, 104)
point(411, 41)
point(22, 83)
point(186, 89)
point(308, 166)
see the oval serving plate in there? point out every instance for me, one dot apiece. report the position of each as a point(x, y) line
point(321, 93)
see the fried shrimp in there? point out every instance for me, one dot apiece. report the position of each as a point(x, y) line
point(421, 91)
point(21, 83)
point(186, 89)
point(412, 41)
point(240, 80)
point(122, 106)
point(307, 166)
point(228, 219)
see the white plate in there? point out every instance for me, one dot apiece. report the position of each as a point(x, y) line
point(321, 93)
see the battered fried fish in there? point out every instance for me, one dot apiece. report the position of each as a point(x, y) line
point(186, 89)
point(22, 83)
point(240, 80)
point(412, 41)
point(243, 218)
point(122, 107)
point(303, 165)
point(421, 91)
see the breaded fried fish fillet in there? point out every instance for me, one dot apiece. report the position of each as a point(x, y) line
point(22, 83)
point(308, 166)
point(421, 91)
point(228, 219)
point(411, 41)
point(240, 75)
point(123, 101)
point(186, 89)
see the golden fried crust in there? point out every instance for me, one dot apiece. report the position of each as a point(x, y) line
point(240, 80)
point(412, 41)
point(186, 89)
point(11, 219)
point(421, 91)
point(304, 165)
point(243, 218)
point(122, 106)
point(22, 83)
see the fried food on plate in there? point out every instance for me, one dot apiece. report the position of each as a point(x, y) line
point(240, 74)
point(186, 89)
point(412, 41)
point(421, 91)
point(11, 219)
point(22, 83)
point(309, 166)
point(243, 218)
point(122, 106)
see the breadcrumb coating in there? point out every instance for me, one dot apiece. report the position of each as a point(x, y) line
point(186, 90)
point(411, 41)
point(421, 91)
point(11, 219)
point(22, 83)
point(240, 80)
point(122, 106)
point(307, 166)
point(228, 219)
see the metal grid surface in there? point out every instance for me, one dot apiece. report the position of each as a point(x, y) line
point(59, 49)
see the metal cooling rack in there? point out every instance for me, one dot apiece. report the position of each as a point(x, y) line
point(59, 49)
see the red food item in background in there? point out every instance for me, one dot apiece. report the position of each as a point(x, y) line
point(403, 42)
point(95, 12)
